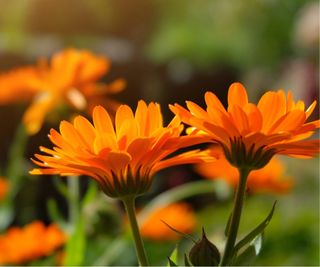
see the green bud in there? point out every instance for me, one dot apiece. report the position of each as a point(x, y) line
point(204, 253)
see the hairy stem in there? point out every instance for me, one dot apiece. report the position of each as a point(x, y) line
point(235, 217)
point(129, 204)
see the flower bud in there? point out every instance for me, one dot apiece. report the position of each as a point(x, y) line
point(204, 253)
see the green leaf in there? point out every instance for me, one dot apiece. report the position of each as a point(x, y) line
point(250, 253)
point(113, 251)
point(60, 186)
point(90, 194)
point(226, 231)
point(255, 232)
point(6, 215)
point(54, 212)
point(171, 263)
point(76, 245)
point(178, 232)
point(186, 260)
point(16, 165)
point(173, 259)
point(204, 253)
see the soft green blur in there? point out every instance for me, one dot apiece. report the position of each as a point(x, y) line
point(169, 51)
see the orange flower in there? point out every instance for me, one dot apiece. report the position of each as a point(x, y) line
point(121, 159)
point(268, 179)
point(179, 216)
point(3, 188)
point(251, 134)
point(21, 245)
point(69, 78)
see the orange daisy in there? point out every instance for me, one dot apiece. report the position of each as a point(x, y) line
point(4, 186)
point(22, 245)
point(179, 216)
point(122, 159)
point(251, 134)
point(269, 179)
point(70, 77)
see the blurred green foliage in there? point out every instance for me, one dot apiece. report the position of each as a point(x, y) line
point(244, 34)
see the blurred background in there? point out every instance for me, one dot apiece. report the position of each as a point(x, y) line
point(172, 51)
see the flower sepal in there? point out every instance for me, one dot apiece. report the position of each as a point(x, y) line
point(127, 184)
point(242, 158)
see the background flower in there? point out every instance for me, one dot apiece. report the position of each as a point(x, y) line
point(270, 179)
point(179, 216)
point(33, 241)
point(70, 78)
point(4, 186)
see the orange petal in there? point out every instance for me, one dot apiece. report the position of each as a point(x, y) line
point(34, 115)
point(240, 119)
point(289, 122)
point(237, 95)
point(137, 149)
point(254, 117)
point(193, 156)
point(102, 121)
point(85, 129)
point(272, 106)
point(71, 135)
point(154, 117)
point(118, 160)
point(196, 110)
point(104, 141)
point(124, 113)
point(213, 101)
point(310, 109)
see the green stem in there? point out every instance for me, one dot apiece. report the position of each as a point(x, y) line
point(130, 208)
point(74, 207)
point(16, 161)
point(236, 215)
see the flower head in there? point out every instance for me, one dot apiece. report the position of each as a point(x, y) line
point(180, 216)
point(21, 245)
point(250, 134)
point(122, 159)
point(269, 179)
point(70, 78)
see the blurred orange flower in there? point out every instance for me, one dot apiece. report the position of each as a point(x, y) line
point(21, 245)
point(179, 216)
point(70, 78)
point(4, 186)
point(121, 159)
point(251, 134)
point(269, 179)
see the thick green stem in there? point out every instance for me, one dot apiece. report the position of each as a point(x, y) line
point(130, 208)
point(235, 217)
